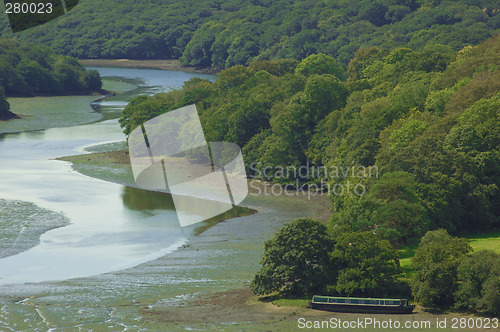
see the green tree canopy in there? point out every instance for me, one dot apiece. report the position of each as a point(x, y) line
point(221, 35)
point(478, 280)
point(435, 262)
point(296, 260)
point(28, 69)
point(367, 265)
point(320, 64)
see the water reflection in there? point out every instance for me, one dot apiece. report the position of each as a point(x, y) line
point(144, 200)
point(140, 199)
point(111, 227)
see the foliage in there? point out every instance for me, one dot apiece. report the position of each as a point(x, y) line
point(27, 69)
point(420, 102)
point(224, 34)
point(367, 265)
point(143, 108)
point(404, 111)
point(426, 119)
point(319, 64)
point(478, 283)
point(303, 258)
point(267, 108)
point(392, 209)
point(5, 114)
point(435, 262)
point(431, 133)
point(296, 260)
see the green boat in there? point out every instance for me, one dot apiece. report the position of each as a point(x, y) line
point(361, 305)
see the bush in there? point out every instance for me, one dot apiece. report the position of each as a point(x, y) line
point(368, 265)
point(478, 279)
point(435, 262)
point(296, 260)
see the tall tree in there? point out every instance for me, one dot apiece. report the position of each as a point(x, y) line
point(296, 260)
point(368, 266)
point(435, 262)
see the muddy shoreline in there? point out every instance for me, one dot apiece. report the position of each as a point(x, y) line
point(236, 303)
point(238, 307)
point(172, 65)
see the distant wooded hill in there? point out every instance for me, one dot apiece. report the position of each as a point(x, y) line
point(28, 70)
point(227, 33)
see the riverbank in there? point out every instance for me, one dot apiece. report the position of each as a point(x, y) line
point(100, 92)
point(8, 115)
point(114, 166)
point(172, 65)
point(238, 308)
point(233, 309)
point(44, 112)
point(38, 113)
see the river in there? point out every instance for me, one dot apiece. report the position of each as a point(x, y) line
point(110, 261)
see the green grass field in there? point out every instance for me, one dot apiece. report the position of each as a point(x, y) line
point(478, 242)
point(486, 242)
point(291, 302)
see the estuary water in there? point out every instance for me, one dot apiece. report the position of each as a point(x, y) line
point(103, 234)
point(114, 262)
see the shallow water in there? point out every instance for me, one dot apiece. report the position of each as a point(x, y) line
point(117, 256)
point(42, 112)
point(104, 234)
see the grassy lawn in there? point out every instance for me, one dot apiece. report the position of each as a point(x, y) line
point(486, 242)
point(479, 242)
point(291, 302)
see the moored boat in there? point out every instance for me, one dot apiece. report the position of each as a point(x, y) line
point(361, 305)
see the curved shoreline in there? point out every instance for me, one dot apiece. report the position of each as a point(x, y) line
point(203, 243)
point(114, 166)
point(48, 125)
point(171, 65)
point(238, 306)
point(19, 235)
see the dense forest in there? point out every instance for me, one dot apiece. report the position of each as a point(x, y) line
point(28, 69)
point(428, 120)
point(408, 89)
point(222, 34)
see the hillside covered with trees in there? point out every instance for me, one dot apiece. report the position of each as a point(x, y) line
point(428, 120)
point(222, 34)
point(28, 70)
point(409, 89)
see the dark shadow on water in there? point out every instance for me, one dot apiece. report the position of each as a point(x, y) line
point(236, 211)
point(140, 199)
